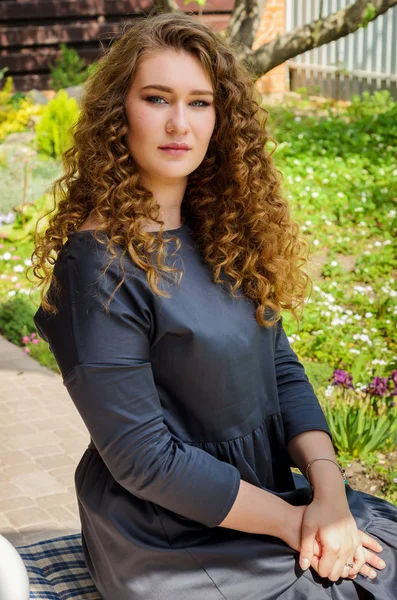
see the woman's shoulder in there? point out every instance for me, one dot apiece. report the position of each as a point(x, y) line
point(86, 257)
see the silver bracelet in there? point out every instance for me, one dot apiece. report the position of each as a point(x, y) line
point(341, 469)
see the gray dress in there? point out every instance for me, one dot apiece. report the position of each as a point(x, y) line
point(182, 397)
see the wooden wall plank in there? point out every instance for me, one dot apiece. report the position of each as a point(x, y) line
point(31, 31)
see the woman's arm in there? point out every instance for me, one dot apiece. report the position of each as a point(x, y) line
point(325, 477)
point(328, 519)
point(257, 511)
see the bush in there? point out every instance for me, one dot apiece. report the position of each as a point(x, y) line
point(68, 69)
point(54, 128)
point(16, 319)
point(17, 111)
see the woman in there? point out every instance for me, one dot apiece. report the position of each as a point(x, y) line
point(195, 403)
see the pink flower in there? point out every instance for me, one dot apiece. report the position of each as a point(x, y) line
point(26, 350)
point(1, 245)
point(13, 248)
point(25, 339)
point(18, 285)
point(35, 341)
point(33, 335)
point(16, 257)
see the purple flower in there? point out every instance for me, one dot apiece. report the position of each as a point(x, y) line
point(342, 378)
point(393, 379)
point(378, 387)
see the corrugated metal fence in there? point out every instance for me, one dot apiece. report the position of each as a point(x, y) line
point(369, 55)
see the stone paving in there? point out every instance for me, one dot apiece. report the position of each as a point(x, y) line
point(42, 438)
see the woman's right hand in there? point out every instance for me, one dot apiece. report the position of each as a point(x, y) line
point(292, 537)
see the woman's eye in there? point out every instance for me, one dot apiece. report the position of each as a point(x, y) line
point(152, 98)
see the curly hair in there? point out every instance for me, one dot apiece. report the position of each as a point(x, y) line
point(241, 221)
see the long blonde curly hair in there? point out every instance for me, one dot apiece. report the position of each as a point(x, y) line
point(241, 221)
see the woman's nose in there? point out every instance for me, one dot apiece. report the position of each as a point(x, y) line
point(179, 120)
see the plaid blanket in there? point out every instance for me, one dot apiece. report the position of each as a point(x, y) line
point(57, 569)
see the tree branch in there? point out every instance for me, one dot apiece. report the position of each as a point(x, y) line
point(244, 22)
point(167, 6)
point(317, 33)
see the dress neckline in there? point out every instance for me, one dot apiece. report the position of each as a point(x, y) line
point(91, 231)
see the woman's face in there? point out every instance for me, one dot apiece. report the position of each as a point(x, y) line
point(157, 117)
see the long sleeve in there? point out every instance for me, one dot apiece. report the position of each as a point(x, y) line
point(300, 408)
point(109, 377)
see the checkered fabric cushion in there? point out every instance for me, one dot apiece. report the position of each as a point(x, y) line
point(57, 569)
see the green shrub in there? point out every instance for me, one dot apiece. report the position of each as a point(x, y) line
point(16, 319)
point(54, 128)
point(357, 429)
point(68, 69)
point(362, 420)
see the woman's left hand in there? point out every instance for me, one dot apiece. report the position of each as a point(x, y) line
point(328, 521)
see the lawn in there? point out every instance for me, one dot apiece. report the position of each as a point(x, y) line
point(339, 166)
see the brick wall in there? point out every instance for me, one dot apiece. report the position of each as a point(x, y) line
point(273, 22)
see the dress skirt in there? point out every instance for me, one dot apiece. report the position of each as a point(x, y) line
point(194, 563)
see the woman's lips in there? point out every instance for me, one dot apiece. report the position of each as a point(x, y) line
point(175, 151)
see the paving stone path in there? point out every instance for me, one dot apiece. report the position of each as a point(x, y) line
point(42, 438)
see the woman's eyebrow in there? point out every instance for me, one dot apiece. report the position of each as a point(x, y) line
point(165, 88)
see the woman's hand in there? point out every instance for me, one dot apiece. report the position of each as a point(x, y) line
point(292, 537)
point(371, 559)
point(330, 522)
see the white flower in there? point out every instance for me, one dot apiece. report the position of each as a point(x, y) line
point(342, 343)
point(6, 256)
point(19, 269)
point(334, 263)
point(340, 195)
point(328, 391)
point(315, 194)
point(316, 242)
point(357, 317)
point(354, 351)
point(377, 244)
point(392, 213)
point(298, 178)
point(308, 222)
point(27, 262)
point(12, 293)
point(368, 315)
point(14, 278)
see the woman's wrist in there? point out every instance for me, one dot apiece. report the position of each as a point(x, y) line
point(326, 480)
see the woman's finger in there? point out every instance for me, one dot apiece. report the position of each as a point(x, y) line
point(308, 538)
point(330, 554)
point(340, 569)
point(369, 542)
point(373, 560)
point(366, 570)
point(358, 561)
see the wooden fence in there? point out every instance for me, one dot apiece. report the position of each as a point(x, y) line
point(31, 31)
